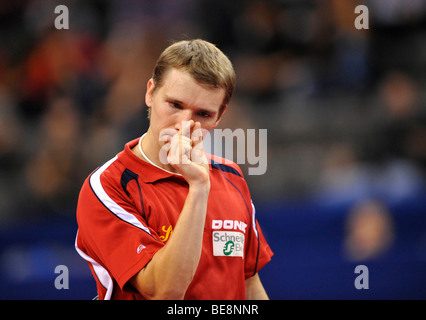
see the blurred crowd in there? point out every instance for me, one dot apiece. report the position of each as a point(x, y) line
point(344, 108)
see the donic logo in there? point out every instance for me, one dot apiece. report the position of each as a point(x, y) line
point(228, 248)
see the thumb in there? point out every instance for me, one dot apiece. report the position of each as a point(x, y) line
point(197, 154)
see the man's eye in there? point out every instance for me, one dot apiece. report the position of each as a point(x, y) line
point(204, 114)
point(175, 105)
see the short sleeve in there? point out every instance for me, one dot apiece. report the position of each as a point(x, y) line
point(112, 232)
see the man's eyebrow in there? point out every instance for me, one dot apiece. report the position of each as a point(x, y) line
point(206, 110)
point(175, 100)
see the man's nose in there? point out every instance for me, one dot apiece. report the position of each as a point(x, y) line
point(185, 116)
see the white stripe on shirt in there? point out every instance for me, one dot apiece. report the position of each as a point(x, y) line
point(95, 183)
point(101, 273)
point(254, 219)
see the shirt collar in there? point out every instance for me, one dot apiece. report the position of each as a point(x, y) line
point(147, 172)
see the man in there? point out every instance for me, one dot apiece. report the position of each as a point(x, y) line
point(162, 219)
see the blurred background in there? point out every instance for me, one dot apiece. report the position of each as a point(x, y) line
point(345, 111)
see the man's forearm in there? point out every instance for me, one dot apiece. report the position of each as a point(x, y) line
point(170, 271)
point(254, 289)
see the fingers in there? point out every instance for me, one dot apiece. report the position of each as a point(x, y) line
point(186, 144)
point(197, 153)
point(167, 134)
point(185, 131)
point(197, 134)
point(181, 144)
point(180, 149)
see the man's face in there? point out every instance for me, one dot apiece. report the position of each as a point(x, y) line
point(182, 98)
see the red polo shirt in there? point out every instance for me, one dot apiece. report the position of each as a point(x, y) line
point(127, 210)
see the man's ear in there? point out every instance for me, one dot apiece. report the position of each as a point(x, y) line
point(150, 86)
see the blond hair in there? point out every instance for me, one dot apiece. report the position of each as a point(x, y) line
point(203, 61)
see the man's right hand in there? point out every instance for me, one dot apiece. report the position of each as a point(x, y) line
point(187, 154)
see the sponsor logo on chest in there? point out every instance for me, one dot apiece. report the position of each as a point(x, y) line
point(229, 225)
point(230, 241)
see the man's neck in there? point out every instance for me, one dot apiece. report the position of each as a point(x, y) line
point(151, 151)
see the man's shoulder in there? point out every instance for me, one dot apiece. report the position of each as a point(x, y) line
point(104, 178)
point(225, 165)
